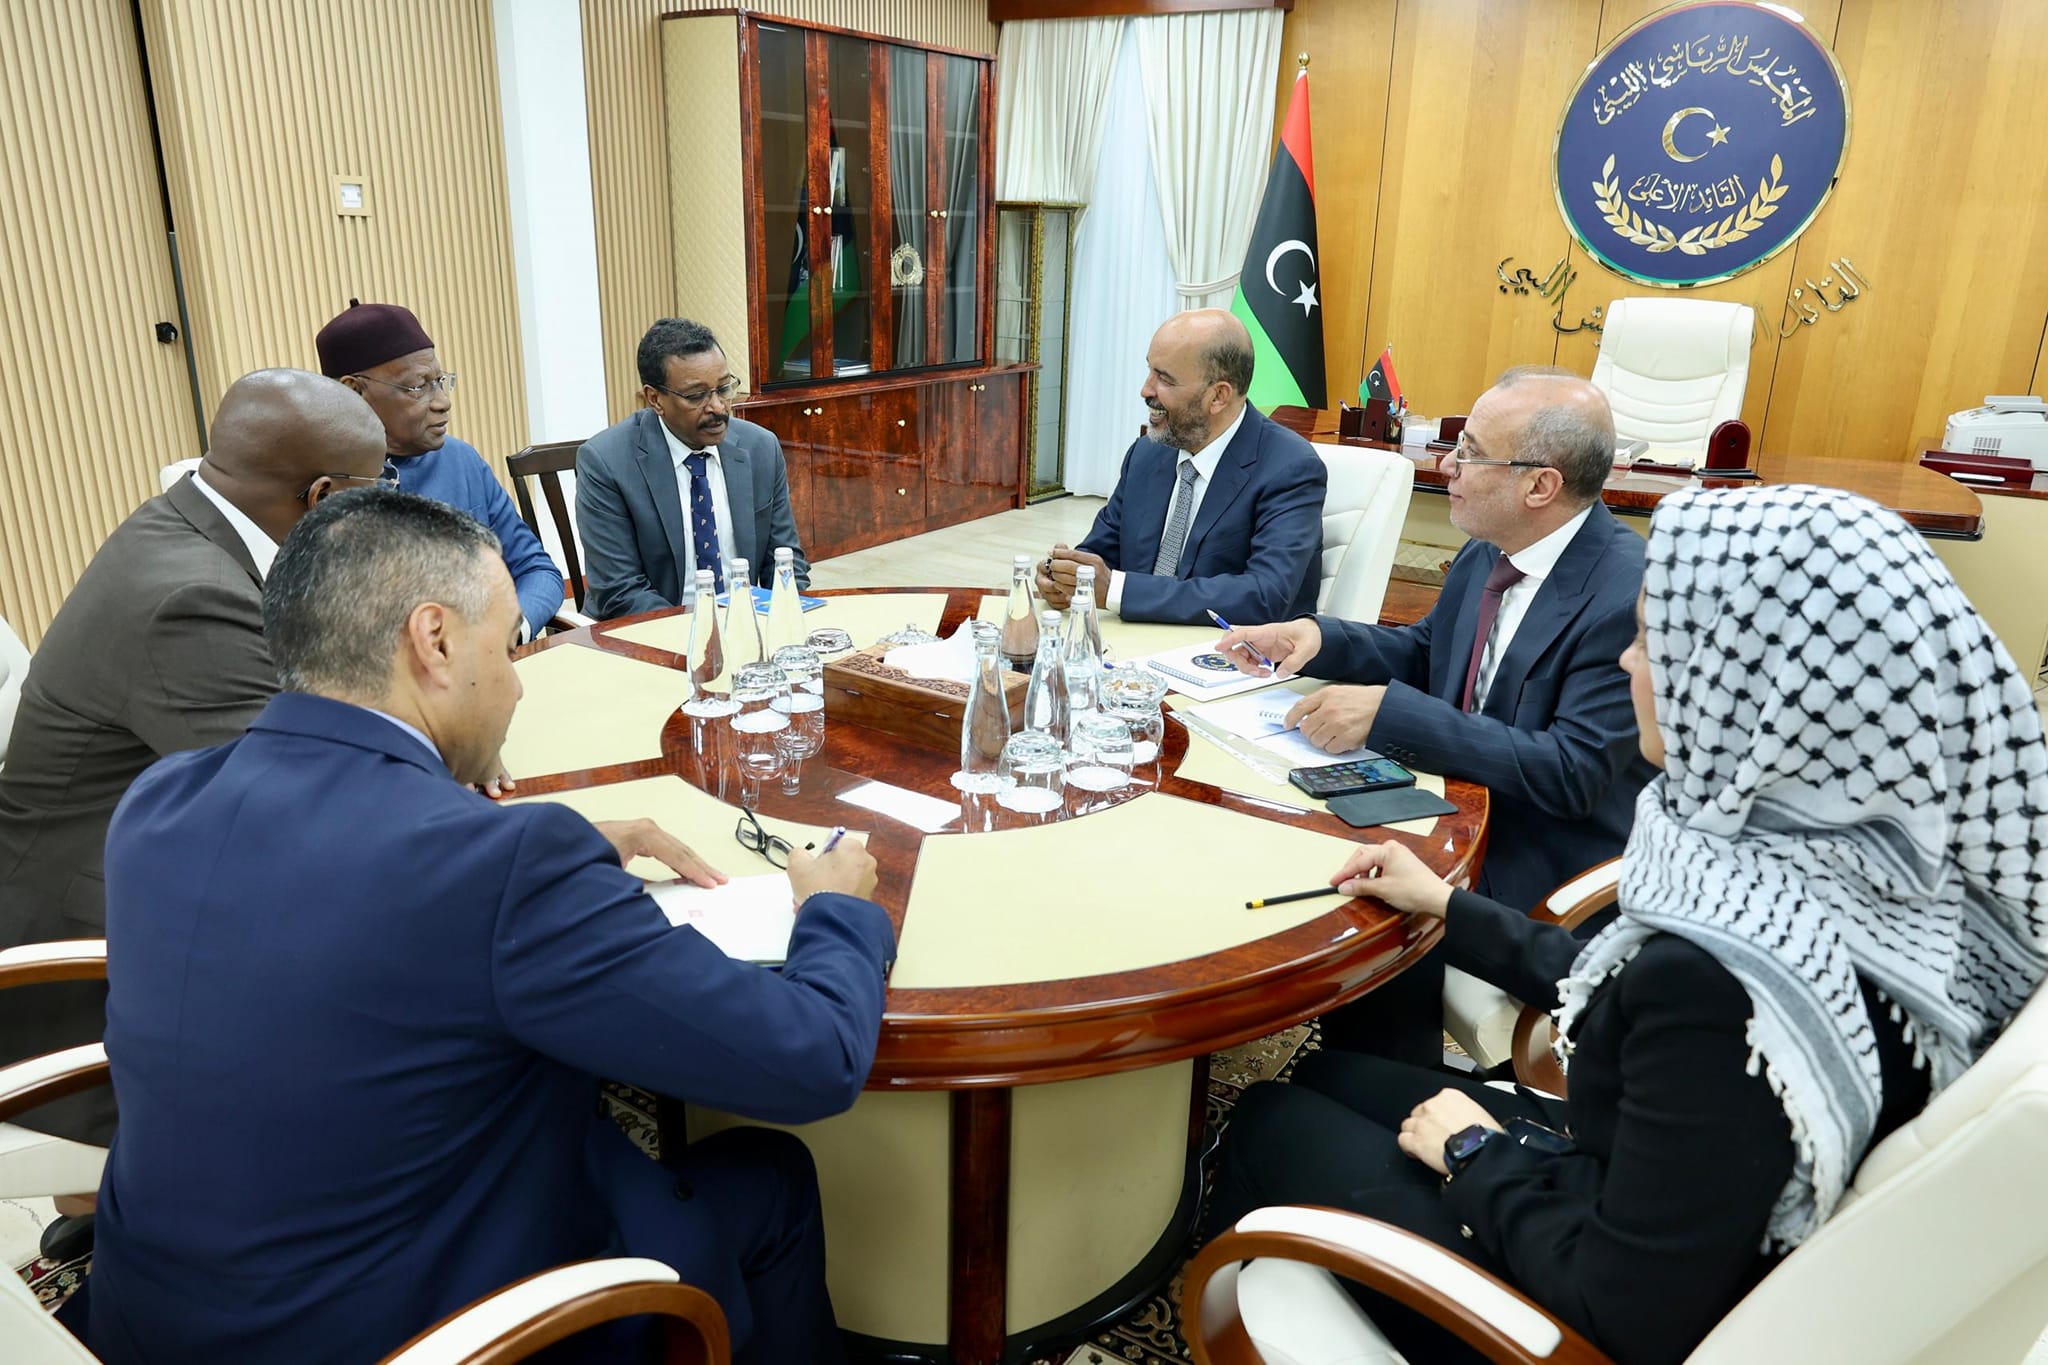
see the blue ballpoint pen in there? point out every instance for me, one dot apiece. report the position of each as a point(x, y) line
point(1271, 667)
point(838, 833)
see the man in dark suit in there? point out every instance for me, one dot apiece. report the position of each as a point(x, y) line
point(369, 1006)
point(158, 648)
point(680, 485)
point(1513, 680)
point(1217, 507)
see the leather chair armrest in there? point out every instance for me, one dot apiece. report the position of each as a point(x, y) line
point(569, 618)
point(73, 959)
point(1483, 1311)
point(553, 1305)
point(1571, 905)
point(52, 1076)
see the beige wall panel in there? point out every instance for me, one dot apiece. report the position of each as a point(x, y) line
point(262, 106)
point(1472, 113)
point(1763, 288)
point(1943, 204)
point(706, 192)
point(622, 74)
point(95, 406)
point(1351, 48)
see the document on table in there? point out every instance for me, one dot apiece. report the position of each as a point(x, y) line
point(1262, 719)
point(749, 918)
point(1198, 670)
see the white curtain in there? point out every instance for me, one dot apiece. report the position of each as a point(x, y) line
point(1052, 89)
point(1209, 82)
point(1122, 287)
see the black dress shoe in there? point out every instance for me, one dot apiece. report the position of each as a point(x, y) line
point(67, 1239)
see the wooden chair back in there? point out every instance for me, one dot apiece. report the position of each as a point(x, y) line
point(545, 464)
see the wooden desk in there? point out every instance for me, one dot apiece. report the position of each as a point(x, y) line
point(975, 1091)
point(1936, 505)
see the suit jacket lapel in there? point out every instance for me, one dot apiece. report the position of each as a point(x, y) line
point(663, 487)
point(1557, 601)
point(1152, 498)
point(738, 467)
point(195, 507)
point(1233, 472)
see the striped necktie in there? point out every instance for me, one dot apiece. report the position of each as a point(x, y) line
point(1504, 576)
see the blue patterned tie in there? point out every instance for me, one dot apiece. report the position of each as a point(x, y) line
point(703, 522)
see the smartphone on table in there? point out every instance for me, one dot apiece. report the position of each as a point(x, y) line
point(1345, 779)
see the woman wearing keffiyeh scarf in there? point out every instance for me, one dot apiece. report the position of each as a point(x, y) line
point(1831, 903)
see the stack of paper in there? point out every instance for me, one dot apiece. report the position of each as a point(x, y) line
point(1261, 718)
point(749, 918)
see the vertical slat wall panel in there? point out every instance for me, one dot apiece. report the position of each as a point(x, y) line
point(623, 80)
point(262, 105)
point(92, 405)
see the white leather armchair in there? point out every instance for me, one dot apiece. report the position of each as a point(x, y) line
point(1364, 506)
point(1674, 369)
point(174, 471)
point(1939, 1253)
point(14, 657)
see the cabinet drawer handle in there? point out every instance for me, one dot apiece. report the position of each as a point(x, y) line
point(942, 213)
point(902, 422)
point(900, 492)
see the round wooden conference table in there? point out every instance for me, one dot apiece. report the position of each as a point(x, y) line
point(1024, 1164)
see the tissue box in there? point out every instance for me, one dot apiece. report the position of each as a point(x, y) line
point(862, 690)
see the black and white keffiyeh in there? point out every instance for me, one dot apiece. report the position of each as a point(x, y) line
point(1855, 782)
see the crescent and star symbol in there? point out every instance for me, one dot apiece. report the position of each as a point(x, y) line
point(1307, 297)
point(1717, 136)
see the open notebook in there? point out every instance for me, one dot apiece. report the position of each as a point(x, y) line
point(749, 918)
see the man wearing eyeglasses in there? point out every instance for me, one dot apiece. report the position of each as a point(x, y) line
point(382, 352)
point(1514, 679)
point(680, 485)
point(158, 648)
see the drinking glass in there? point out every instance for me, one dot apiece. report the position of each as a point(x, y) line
point(829, 641)
point(1134, 693)
point(756, 727)
point(1102, 761)
point(1034, 767)
point(805, 707)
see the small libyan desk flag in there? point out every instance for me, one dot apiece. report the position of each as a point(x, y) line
point(1276, 291)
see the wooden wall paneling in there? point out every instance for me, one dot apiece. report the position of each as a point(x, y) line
point(1472, 114)
point(1943, 205)
point(622, 70)
point(406, 96)
point(95, 404)
point(1763, 288)
point(1351, 52)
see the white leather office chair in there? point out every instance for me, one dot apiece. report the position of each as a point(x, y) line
point(497, 1329)
point(14, 657)
point(175, 471)
point(1674, 369)
point(1481, 1016)
point(1364, 506)
point(1939, 1253)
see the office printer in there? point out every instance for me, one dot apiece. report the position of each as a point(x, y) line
point(2009, 425)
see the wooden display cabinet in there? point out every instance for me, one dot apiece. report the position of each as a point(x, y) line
point(832, 209)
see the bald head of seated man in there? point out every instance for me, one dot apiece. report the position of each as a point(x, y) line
point(1217, 509)
point(158, 648)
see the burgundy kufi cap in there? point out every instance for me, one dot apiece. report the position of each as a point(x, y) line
point(366, 335)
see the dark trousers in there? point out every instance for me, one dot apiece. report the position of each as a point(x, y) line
point(736, 1215)
point(1402, 1021)
point(1328, 1137)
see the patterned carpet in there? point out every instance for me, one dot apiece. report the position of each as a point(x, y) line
point(1150, 1336)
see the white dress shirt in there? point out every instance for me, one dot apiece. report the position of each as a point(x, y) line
point(721, 509)
point(262, 549)
point(1536, 563)
point(1205, 461)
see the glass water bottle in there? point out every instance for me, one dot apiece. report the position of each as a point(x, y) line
point(785, 610)
point(985, 724)
point(1081, 647)
point(742, 624)
point(1045, 700)
point(1020, 621)
point(705, 658)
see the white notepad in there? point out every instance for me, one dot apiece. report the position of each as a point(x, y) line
point(749, 918)
point(1198, 670)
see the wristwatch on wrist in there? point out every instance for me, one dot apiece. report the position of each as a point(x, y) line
point(1461, 1146)
point(1537, 1138)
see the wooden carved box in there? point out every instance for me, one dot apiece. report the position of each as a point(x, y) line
point(862, 690)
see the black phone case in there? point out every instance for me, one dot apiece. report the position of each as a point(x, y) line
point(1362, 810)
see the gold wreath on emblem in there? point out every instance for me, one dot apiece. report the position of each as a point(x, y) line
point(905, 266)
point(1626, 222)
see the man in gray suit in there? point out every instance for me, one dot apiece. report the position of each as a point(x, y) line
point(158, 648)
point(680, 485)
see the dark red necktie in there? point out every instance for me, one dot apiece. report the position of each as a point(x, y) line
point(1504, 576)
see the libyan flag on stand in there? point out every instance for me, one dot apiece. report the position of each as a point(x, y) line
point(1381, 383)
point(1276, 291)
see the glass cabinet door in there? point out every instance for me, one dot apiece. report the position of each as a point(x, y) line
point(959, 204)
point(848, 193)
point(784, 161)
point(910, 231)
